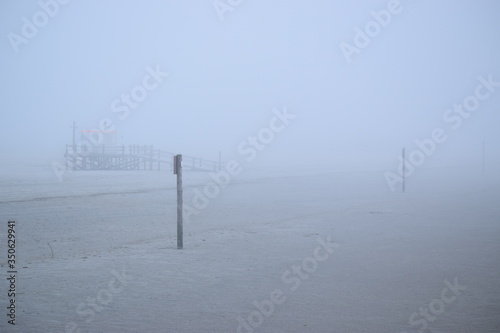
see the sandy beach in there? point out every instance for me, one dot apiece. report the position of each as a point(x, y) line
point(296, 251)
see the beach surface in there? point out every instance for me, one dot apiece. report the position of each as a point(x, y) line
point(302, 250)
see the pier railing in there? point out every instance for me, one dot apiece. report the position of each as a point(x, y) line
point(132, 157)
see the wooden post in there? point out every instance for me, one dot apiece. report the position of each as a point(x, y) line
point(178, 172)
point(404, 171)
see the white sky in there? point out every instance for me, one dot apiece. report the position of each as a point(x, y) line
point(225, 77)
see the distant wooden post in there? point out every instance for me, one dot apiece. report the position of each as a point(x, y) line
point(178, 172)
point(404, 171)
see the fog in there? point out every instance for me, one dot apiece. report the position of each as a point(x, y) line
point(351, 148)
point(224, 70)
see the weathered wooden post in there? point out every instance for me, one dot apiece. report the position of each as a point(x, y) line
point(178, 172)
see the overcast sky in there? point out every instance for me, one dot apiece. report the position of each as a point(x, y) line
point(228, 69)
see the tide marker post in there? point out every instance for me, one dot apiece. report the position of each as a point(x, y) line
point(178, 172)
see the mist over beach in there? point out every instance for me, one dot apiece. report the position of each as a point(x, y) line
point(336, 166)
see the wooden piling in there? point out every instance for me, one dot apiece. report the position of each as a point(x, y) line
point(178, 172)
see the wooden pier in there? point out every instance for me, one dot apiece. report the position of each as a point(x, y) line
point(133, 157)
